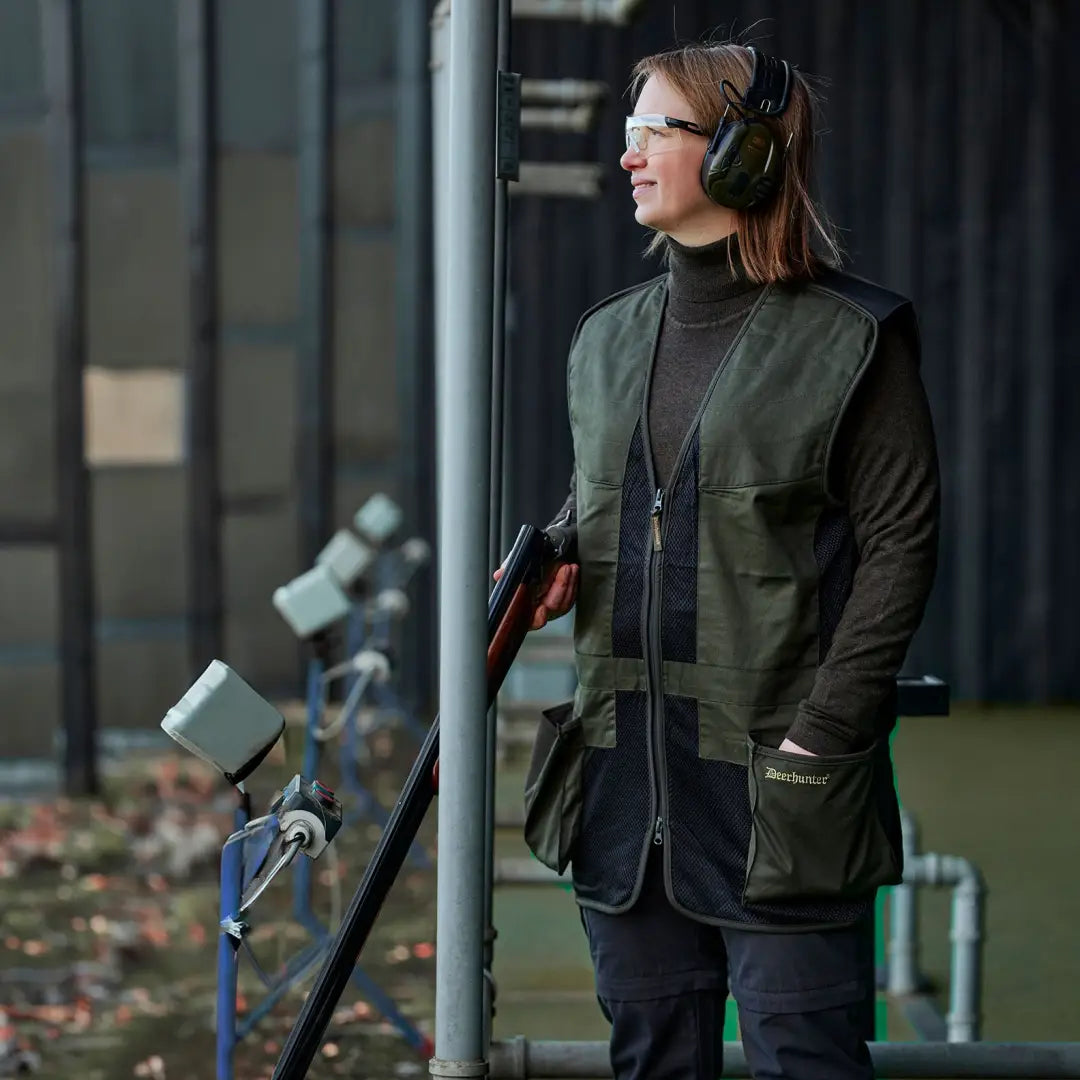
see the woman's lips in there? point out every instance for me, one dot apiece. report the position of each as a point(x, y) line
point(643, 186)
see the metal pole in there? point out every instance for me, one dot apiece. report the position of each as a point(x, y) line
point(496, 539)
point(315, 445)
point(440, 149)
point(465, 433)
point(64, 132)
point(516, 1059)
point(416, 489)
point(198, 137)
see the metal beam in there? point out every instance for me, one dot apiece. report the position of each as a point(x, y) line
point(64, 130)
point(516, 1059)
point(465, 445)
point(315, 445)
point(197, 63)
point(614, 12)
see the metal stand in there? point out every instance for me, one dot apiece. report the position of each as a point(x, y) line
point(232, 935)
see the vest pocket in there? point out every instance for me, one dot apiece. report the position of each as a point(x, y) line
point(817, 829)
point(553, 787)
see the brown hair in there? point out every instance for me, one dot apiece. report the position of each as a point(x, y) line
point(776, 241)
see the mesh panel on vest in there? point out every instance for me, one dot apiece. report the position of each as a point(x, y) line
point(679, 589)
point(617, 802)
point(709, 832)
point(637, 500)
point(834, 551)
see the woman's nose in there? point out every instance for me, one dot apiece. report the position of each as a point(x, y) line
point(632, 159)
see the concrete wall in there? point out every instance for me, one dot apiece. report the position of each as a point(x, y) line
point(137, 315)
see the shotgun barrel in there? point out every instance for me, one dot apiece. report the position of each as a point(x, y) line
point(510, 610)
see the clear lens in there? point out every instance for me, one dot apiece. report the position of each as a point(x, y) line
point(651, 134)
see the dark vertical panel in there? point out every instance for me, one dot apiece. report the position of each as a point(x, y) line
point(1005, 382)
point(197, 125)
point(938, 208)
point(919, 164)
point(415, 370)
point(866, 138)
point(834, 152)
point(63, 67)
point(1066, 400)
point(971, 350)
point(314, 335)
point(901, 159)
point(1041, 343)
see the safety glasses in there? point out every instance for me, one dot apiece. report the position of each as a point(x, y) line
point(652, 133)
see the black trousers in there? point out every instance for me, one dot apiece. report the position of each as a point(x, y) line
point(805, 1000)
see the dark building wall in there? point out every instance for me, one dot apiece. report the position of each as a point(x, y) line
point(943, 163)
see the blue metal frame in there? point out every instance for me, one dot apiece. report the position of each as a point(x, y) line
point(233, 871)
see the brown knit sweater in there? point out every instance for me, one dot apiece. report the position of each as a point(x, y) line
point(885, 463)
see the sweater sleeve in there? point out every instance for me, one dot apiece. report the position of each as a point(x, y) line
point(887, 466)
point(568, 514)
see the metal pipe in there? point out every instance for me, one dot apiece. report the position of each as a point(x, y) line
point(963, 1020)
point(563, 91)
point(495, 537)
point(527, 872)
point(578, 118)
point(615, 12)
point(440, 148)
point(520, 1058)
point(903, 974)
point(465, 442)
point(566, 179)
point(197, 63)
point(315, 444)
point(62, 44)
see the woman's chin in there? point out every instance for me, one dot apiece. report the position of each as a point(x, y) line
point(647, 215)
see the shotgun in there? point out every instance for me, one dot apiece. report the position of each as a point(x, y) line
point(533, 557)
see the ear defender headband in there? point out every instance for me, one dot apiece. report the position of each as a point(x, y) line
point(743, 163)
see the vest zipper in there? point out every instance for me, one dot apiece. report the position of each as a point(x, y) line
point(658, 832)
point(654, 517)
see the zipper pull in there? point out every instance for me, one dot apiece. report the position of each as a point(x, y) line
point(657, 509)
point(658, 832)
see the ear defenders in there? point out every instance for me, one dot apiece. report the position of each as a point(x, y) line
point(743, 163)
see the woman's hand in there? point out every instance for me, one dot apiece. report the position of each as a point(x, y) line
point(560, 592)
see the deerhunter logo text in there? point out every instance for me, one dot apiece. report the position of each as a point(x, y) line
point(794, 777)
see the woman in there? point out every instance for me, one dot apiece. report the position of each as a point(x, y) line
point(756, 497)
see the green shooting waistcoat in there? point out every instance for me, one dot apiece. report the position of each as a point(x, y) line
point(698, 626)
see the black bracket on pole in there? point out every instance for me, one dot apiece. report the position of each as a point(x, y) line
point(508, 126)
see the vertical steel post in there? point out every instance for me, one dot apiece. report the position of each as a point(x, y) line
point(61, 38)
point(496, 536)
point(465, 435)
point(440, 149)
point(315, 439)
point(415, 179)
point(197, 63)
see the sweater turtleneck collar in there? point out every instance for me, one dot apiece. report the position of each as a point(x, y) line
point(700, 280)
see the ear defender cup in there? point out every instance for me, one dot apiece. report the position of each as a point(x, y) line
point(742, 167)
